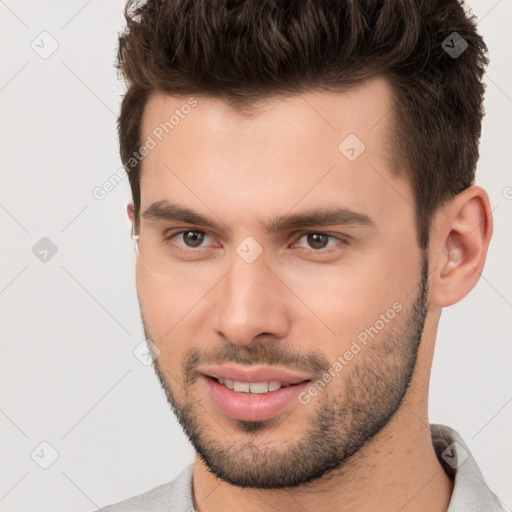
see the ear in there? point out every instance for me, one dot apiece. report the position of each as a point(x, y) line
point(460, 238)
point(130, 210)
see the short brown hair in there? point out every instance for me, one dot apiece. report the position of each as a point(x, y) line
point(246, 51)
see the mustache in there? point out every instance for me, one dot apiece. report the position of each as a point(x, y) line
point(270, 354)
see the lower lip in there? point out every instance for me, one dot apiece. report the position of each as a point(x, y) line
point(252, 406)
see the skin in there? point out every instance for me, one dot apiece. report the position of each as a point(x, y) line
point(288, 304)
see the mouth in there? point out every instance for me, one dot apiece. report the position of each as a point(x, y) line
point(256, 388)
point(253, 401)
point(241, 375)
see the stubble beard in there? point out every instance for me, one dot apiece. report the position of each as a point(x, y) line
point(353, 409)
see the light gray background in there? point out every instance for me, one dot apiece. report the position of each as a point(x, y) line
point(69, 326)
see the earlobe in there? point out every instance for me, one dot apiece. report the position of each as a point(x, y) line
point(463, 232)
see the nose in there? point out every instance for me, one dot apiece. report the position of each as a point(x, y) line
point(251, 301)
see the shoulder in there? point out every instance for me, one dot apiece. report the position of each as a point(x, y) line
point(172, 496)
point(470, 492)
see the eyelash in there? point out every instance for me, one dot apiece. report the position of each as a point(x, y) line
point(309, 251)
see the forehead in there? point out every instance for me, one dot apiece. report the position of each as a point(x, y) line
point(303, 147)
point(206, 121)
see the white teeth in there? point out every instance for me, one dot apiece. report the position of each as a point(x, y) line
point(274, 385)
point(259, 387)
point(252, 387)
point(241, 386)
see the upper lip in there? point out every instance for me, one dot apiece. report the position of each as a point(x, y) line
point(254, 374)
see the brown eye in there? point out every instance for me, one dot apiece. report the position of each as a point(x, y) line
point(318, 240)
point(320, 244)
point(193, 238)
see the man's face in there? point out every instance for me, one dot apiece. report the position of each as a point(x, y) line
point(342, 302)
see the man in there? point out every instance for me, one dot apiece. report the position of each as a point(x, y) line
point(303, 208)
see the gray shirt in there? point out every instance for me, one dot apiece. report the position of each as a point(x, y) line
point(470, 492)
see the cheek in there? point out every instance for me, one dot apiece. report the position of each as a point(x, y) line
point(350, 298)
point(168, 304)
point(164, 305)
point(162, 301)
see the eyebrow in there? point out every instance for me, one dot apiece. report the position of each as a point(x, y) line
point(323, 216)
